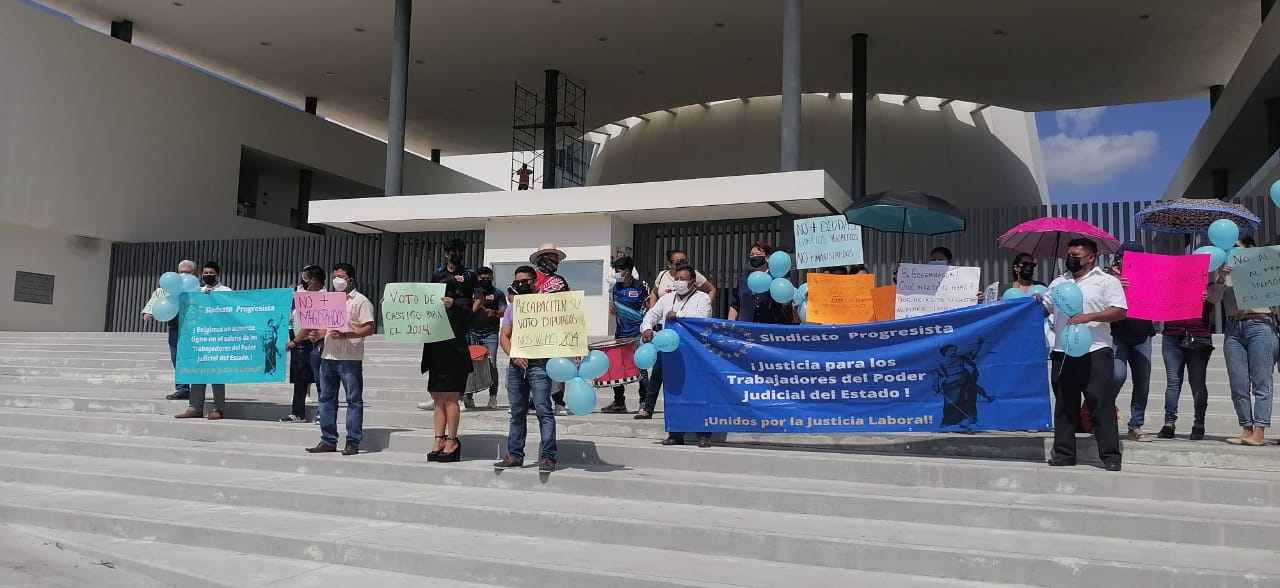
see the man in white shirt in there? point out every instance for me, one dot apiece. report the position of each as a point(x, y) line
point(1089, 375)
point(664, 280)
point(210, 281)
point(683, 301)
point(342, 364)
point(180, 391)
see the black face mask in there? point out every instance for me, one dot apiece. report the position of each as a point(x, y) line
point(210, 280)
point(518, 288)
point(1074, 264)
point(757, 261)
point(486, 283)
point(455, 260)
point(1026, 273)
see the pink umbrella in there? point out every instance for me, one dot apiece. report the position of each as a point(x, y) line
point(1048, 237)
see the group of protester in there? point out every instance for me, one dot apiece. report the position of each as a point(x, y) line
point(480, 314)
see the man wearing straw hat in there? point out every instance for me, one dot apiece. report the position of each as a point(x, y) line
point(546, 261)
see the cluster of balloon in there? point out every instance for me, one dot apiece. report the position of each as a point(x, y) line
point(1013, 293)
point(579, 396)
point(801, 300)
point(646, 356)
point(774, 281)
point(1075, 339)
point(1223, 234)
point(173, 284)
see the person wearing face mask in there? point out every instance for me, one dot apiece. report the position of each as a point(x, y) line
point(210, 282)
point(447, 365)
point(547, 260)
point(630, 300)
point(683, 301)
point(662, 284)
point(1250, 351)
point(1132, 339)
point(304, 350)
point(1023, 271)
point(180, 391)
point(747, 306)
point(1090, 375)
point(342, 363)
point(454, 270)
point(487, 310)
point(940, 256)
point(527, 383)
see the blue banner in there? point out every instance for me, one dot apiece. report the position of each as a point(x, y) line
point(977, 368)
point(233, 337)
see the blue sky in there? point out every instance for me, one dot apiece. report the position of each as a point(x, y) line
point(1117, 153)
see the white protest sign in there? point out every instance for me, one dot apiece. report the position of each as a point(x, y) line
point(991, 294)
point(926, 289)
point(827, 241)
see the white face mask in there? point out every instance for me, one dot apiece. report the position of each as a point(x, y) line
point(340, 284)
point(937, 262)
point(680, 287)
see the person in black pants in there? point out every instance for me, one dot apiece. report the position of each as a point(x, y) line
point(1090, 375)
point(305, 347)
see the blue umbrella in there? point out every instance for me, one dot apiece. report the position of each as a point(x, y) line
point(1186, 216)
point(906, 212)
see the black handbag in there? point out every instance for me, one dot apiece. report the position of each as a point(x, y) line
point(1196, 344)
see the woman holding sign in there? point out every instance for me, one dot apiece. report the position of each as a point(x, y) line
point(448, 363)
point(1250, 350)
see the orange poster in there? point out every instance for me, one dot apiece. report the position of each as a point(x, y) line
point(885, 299)
point(840, 300)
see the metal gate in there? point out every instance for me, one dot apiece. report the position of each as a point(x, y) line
point(718, 249)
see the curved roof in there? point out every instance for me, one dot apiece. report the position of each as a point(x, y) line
point(634, 57)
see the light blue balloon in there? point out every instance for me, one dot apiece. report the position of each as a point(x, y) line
point(803, 310)
point(779, 264)
point(801, 296)
point(580, 397)
point(1075, 340)
point(171, 283)
point(1275, 193)
point(1217, 256)
point(1224, 233)
point(1012, 293)
point(1037, 290)
point(1068, 298)
point(190, 283)
point(165, 309)
point(758, 282)
point(646, 356)
point(594, 365)
point(782, 290)
point(666, 340)
point(561, 369)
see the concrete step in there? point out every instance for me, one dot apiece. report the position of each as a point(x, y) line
point(626, 512)
point(196, 567)
point(426, 549)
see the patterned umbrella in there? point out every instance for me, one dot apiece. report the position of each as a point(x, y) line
point(1193, 215)
point(1047, 238)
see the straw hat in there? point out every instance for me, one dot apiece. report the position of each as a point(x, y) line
point(547, 248)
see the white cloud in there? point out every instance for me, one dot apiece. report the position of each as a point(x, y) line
point(1080, 121)
point(1096, 159)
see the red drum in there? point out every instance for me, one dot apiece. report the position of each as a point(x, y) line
point(622, 365)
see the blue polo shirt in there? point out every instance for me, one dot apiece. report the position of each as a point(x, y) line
point(629, 303)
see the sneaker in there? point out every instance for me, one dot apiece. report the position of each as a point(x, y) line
point(508, 462)
point(562, 410)
point(1112, 466)
point(493, 402)
point(428, 405)
point(615, 409)
point(468, 402)
point(546, 465)
point(1166, 432)
point(293, 418)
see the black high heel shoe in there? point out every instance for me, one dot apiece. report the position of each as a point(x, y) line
point(435, 455)
point(452, 456)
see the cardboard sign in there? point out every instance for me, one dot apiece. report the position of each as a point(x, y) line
point(827, 241)
point(415, 313)
point(1255, 276)
point(320, 310)
point(884, 298)
point(840, 300)
point(548, 325)
point(1165, 287)
point(926, 289)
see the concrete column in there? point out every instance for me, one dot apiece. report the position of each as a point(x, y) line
point(550, 116)
point(858, 185)
point(792, 66)
point(310, 103)
point(123, 30)
point(1215, 92)
point(1272, 107)
point(435, 155)
point(398, 99)
point(304, 198)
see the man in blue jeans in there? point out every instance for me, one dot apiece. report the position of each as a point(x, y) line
point(180, 391)
point(486, 316)
point(342, 363)
point(1133, 355)
point(526, 380)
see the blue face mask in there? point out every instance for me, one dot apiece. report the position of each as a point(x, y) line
point(938, 262)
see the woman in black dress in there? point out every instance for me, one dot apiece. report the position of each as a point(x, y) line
point(448, 363)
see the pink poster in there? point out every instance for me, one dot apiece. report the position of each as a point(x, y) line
point(1165, 287)
point(320, 310)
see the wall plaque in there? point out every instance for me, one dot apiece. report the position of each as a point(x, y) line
point(33, 288)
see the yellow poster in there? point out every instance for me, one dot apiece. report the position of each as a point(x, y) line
point(548, 325)
point(886, 301)
point(840, 300)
